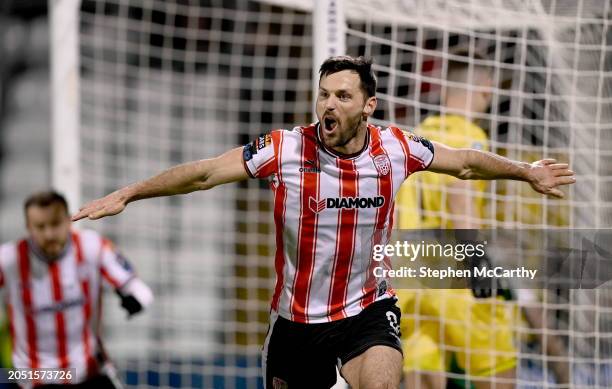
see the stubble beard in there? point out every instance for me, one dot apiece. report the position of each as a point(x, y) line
point(345, 137)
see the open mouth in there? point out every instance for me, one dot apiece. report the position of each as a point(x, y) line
point(330, 124)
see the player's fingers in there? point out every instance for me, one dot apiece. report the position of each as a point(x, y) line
point(560, 173)
point(564, 181)
point(548, 161)
point(97, 215)
point(557, 166)
point(78, 216)
point(556, 193)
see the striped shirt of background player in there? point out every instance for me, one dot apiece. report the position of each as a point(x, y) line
point(54, 307)
point(323, 254)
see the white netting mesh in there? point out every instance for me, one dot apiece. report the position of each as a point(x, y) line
point(551, 66)
point(164, 82)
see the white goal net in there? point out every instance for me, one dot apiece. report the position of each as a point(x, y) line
point(160, 82)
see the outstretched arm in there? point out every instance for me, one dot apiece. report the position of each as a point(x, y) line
point(544, 176)
point(181, 179)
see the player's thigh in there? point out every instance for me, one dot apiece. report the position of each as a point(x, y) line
point(290, 358)
point(378, 367)
point(372, 346)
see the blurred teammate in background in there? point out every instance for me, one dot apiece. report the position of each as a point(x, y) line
point(456, 331)
point(334, 185)
point(52, 281)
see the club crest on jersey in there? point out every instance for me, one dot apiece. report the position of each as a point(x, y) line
point(383, 164)
point(317, 206)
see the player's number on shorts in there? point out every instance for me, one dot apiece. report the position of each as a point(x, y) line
point(393, 322)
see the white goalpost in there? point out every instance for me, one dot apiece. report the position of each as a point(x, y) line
point(141, 85)
point(64, 26)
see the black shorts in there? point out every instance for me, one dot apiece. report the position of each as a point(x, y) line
point(298, 355)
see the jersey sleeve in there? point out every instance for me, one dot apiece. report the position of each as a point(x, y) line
point(420, 150)
point(260, 156)
point(115, 268)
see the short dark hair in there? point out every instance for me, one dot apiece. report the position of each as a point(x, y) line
point(361, 65)
point(44, 199)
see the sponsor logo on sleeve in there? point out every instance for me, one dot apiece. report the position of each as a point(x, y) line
point(382, 288)
point(252, 148)
point(248, 151)
point(427, 144)
point(412, 137)
point(263, 140)
point(419, 139)
point(122, 260)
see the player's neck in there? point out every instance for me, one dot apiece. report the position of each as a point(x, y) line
point(356, 144)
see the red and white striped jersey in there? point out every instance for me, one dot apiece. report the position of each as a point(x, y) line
point(329, 210)
point(54, 307)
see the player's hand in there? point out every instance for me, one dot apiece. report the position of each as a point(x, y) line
point(130, 304)
point(109, 205)
point(546, 175)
